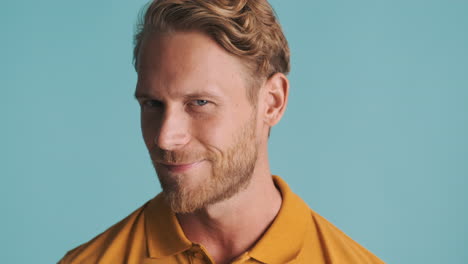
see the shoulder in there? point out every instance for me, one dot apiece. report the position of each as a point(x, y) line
point(336, 246)
point(322, 241)
point(117, 243)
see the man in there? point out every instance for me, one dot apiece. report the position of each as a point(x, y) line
point(211, 84)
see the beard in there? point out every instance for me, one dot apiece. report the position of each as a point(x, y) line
point(231, 172)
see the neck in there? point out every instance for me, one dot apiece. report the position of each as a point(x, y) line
point(229, 228)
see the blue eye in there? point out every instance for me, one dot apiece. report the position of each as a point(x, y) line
point(200, 102)
point(151, 104)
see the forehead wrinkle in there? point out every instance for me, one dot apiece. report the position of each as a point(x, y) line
point(180, 90)
point(188, 69)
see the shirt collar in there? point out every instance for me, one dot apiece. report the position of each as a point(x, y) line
point(281, 242)
point(164, 235)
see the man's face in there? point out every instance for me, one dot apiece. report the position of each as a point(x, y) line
point(198, 125)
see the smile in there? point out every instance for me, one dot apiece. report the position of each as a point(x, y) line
point(178, 168)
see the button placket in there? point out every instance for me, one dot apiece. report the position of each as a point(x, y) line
point(196, 255)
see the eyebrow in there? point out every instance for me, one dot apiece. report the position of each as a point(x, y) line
point(207, 95)
point(141, 95)
point(193, 95)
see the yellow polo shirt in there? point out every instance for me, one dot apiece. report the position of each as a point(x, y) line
point(152, 235)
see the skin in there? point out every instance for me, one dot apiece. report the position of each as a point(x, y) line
point(194, 101)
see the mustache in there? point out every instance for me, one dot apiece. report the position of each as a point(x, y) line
point(178, 156)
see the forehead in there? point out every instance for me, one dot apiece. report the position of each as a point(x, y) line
point(187, 61)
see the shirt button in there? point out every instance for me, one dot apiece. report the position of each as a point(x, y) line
point(198, 255)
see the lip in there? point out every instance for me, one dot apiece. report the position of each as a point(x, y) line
point(178, 168)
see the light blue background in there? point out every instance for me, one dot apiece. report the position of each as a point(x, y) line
point(374, 139)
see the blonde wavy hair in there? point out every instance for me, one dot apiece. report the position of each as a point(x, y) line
point(248, 29)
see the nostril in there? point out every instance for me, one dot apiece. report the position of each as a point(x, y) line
point(170, 140)
point(173, 128)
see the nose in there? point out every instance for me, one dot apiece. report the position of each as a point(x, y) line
point(174, 130)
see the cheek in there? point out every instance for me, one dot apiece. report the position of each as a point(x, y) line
point(217, 132)
point(207, 131)
point(149, 129)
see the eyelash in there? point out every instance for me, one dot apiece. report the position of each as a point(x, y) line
point(151, 104)
point(155, 103)
point(198, 101)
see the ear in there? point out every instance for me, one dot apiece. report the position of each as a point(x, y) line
point(276, 91)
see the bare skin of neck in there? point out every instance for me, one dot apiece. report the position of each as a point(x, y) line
point(231, 227)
